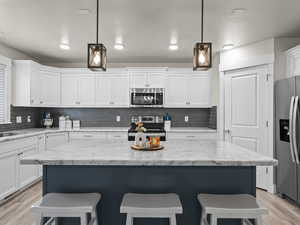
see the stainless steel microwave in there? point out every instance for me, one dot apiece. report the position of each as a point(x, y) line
point(147, 97)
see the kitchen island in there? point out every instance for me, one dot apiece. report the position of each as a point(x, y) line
point(185, 167)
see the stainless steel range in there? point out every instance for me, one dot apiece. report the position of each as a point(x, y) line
point(154, 127)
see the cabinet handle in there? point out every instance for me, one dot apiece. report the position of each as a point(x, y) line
point(147, 85)
point(188, 103)
point(111, 103)
point(21, 153)
point(117, 136)
point(31, 101)
point(41, 102)
point(190, 136)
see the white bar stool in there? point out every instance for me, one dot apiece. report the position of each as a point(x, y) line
point(151, 206)
point(56, 205)
point(239, 206)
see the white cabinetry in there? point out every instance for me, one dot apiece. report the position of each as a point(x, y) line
point(78, 90)
point(188, 89)
point(56, 139)
point(192, 135)
point(26, 83)
point(50, 87)
point(293, 61)
point(147, 77)
point(35, 85)
point(13, 175)
point(98, 135)
point(112, 90)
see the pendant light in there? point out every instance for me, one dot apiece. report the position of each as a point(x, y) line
point(203, 50)
point(97, 58)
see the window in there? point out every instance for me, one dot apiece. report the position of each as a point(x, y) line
point(4, 90)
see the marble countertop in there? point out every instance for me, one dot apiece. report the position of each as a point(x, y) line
point(192, 130)
point(176, 153)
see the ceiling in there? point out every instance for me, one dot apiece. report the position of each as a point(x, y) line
point(146, 27)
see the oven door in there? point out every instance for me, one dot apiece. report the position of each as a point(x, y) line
point(147, 99)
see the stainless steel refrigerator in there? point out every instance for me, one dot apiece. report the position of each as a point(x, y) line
point(287, 104)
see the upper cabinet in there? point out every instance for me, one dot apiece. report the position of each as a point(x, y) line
point(35, 85)
point(112, 90)
point(147, 77)
point(293, 61)
point(187, 89)
point(78, 89)
point(43, 86)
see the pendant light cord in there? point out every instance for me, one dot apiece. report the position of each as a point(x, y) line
point(202, 20)
point(97, 22)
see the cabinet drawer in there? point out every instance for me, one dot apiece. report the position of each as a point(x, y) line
point(87, 135)
point(17, 144)
point(191, 136)
point(117, 135)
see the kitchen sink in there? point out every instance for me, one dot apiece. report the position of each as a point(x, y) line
point(7, 134)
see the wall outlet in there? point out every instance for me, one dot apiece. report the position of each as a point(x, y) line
point(118, 118)
point(186, 119)
point(28, 119)
point(19, 119)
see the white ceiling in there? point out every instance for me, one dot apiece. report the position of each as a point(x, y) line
point(37, 27)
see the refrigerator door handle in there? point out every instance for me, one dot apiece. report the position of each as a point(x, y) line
point(295, 114)
point(291, 128)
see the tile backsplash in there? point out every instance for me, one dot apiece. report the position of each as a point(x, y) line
point(107, 117)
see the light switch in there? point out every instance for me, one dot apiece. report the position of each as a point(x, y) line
point(118, 118)
point(19, 119)
point(186, 119)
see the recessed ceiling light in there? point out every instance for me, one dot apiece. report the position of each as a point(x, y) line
point(173, 47)
point(238, 11)
point(64, 46)
point(228, 46)
point(119, 46)
point(83, 11)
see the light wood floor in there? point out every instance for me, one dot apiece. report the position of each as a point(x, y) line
point(17, 210)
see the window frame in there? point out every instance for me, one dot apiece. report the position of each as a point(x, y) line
point(7, 63)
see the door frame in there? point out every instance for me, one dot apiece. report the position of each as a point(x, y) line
point(268, 63)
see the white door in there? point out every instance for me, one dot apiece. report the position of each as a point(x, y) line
point(119, 90)
point(103, 91)
point(8, 173)
point(28, 173)
point(86, 89)
point(69, 90)
point(50, 85)
point(176, 91)
point(198, 90)
point(245, 113)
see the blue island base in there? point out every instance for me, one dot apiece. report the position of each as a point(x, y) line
point(114, 181)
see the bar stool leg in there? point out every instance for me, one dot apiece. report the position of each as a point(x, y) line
point(129, 219)
point(95, 216)
point(173, 220)
point(83, 219)
point(213, 220)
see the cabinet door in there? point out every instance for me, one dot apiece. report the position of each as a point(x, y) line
point(8, 174)
point(176, 91)
point(86, 89)
point(119, 91)
point(198, 91)
point(139, 80)
point(103, 91)
point(35, 92)
point(155, 80)
point(69, 90)
point(50, 84)
point(27, 173)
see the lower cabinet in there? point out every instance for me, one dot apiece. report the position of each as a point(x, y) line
point(100, 135)
point(191, 135)
point(8, 173)
point(13, 175)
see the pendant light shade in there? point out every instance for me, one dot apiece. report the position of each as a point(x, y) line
point(202, 58)
point(97, 57)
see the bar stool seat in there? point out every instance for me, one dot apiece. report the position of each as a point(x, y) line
point(151, 206)
point(56, 205)
point(238, 206)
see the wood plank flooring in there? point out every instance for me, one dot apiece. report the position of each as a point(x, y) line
point(17, 210)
